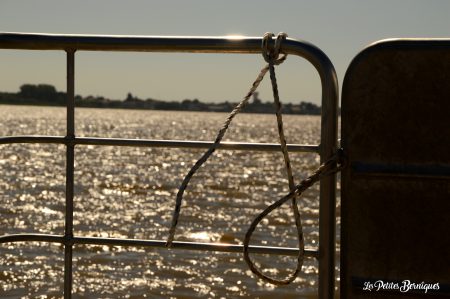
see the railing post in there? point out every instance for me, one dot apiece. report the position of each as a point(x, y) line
point(70, 138)
point(327, 211)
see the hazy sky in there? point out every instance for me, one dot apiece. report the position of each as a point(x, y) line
point(340, 28)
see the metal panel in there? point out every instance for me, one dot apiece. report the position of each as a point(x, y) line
point(72, 43)
point(396, 188)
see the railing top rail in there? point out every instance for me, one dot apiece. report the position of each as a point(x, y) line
point(91, 42)
point(137, 43)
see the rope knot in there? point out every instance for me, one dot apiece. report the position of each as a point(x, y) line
point(272, 54)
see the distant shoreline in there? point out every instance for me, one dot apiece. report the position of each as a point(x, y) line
point(47, 95)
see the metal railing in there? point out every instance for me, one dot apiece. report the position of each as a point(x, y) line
point(325, 253)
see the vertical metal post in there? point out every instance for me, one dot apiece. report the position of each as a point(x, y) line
point(70, 138)
point(327, 213)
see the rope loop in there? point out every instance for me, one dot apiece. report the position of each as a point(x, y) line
point(271, 55)
point(331, 166)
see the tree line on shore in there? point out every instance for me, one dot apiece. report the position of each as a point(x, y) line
point(47, 95)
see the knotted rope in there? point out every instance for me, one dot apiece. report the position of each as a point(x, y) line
point(272, 57)
point(274, 61)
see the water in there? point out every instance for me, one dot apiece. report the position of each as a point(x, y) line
point(127, 192)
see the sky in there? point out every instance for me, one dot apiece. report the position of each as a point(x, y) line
point(340, 28)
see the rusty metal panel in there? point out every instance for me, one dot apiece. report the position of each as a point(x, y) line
point(396, 187)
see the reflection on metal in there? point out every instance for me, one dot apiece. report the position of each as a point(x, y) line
point(266, 147)
point(328, 141)
point(220, 247)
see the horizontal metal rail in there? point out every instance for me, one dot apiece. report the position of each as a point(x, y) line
point(219, 247)
point(177, 44)
point(328, 142)
point(266, 147)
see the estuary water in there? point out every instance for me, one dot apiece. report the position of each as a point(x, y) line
point(129, 192)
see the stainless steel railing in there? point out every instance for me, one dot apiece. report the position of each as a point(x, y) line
point(325, 253)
